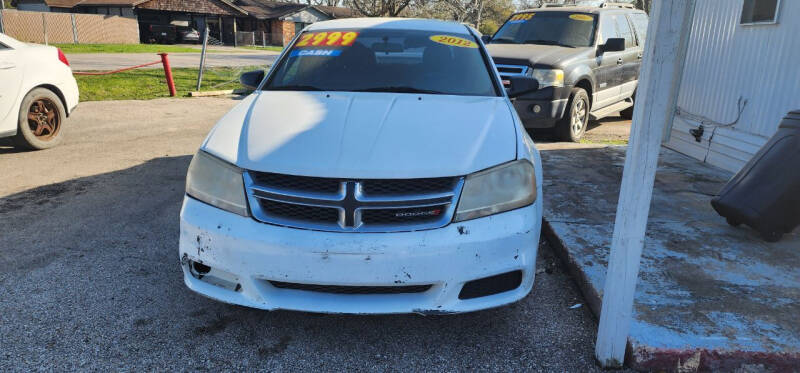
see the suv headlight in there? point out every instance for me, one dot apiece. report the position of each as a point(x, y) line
point(217, 183)
point(548, 78)
point(498, 189)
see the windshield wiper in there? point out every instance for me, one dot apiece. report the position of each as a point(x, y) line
point(548, 42)
point(295, 88)
point(502, 41)
point(402, 89)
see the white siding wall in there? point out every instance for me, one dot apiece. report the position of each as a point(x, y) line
point(760, 63)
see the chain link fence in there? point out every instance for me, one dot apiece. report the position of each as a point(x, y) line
point(65, 28)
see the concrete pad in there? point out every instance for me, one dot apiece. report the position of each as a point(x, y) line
point(709, 296)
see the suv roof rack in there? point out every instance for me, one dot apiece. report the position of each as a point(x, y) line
point(618, 5)
point(546, 5)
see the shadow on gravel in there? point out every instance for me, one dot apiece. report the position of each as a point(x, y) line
point(90, 278)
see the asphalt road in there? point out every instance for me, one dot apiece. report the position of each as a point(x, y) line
point(112, 61)
point(89, 274)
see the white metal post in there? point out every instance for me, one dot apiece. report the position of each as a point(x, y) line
point(74, 28)
point(44, 27)
point(202, 56)
point(659, 82)
point(2, 8)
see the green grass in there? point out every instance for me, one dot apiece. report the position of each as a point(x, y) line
point(149, 48)
point(267, 48)
point(125, 48)
point(146, 84)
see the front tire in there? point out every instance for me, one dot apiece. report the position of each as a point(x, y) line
point(41, 117)
point(573, 125)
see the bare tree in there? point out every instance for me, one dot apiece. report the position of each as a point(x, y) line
point(643, 4)
point(325, 2)
point(379, 8)
point(464, 10)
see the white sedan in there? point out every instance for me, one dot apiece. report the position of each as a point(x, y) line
point(37, 94)
point(379, 167)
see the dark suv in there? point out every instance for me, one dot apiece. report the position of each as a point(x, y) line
point(586, 60)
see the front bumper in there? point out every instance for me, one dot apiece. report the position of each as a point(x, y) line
point(552, 103)
point(550, 111)
point(250, 254)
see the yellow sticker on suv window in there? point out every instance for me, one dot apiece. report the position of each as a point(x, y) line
point(581, 17)
point(521, 17)
point(454, 41)
point(327, 39)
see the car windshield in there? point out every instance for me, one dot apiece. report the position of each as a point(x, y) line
point(384, 60)
point(565, 29)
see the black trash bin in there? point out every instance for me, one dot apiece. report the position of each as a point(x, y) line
point(765, 194)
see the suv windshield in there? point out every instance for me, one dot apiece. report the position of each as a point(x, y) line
point(378, 60)
point(549, 28)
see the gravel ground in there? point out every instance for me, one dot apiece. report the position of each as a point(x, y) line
point(89, 274)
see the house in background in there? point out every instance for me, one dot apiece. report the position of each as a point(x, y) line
point(739, 50)
point(122, 8)
point(283, 20)
point(278, 22)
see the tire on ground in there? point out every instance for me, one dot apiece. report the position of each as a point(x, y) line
point(564, 127)
point(26, 136)
point(628, 113)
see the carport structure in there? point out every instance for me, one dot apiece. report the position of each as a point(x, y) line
point(660, 81)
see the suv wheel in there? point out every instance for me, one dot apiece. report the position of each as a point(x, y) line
point(628, 113)
point(572, 126)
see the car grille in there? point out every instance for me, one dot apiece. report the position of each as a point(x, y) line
point(508, 70)
point(350, 205)
point(336, 289)
point(511, 70)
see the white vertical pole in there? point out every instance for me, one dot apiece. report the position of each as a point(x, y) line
point(74, 28)
point(2, 9)
point(659, 82)
point(44, 27)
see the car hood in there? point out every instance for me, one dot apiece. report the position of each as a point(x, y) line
point(365, 135)
point(533, 54)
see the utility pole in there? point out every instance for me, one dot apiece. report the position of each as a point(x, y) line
point(203, 56)
point(659, 84)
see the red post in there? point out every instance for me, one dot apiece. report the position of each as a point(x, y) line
point(168, 74)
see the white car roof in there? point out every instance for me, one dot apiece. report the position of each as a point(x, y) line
point(391, 23)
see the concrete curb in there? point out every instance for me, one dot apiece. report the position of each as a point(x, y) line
point(644, 358)
point(238, 91)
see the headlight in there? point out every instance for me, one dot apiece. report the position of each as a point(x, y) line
point(217, 183)
point(502, 188)
point(548, 78)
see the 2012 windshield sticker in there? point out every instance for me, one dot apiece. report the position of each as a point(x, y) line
point(520, 18)
point(327, 39)
point(454, 41)
point(315, 52)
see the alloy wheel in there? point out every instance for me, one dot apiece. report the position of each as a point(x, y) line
point(44, 119)
point(578, 117)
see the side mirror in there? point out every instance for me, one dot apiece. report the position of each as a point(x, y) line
point(486, 38)
point(613, 45)
point(520, 85)
point(252, 79)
